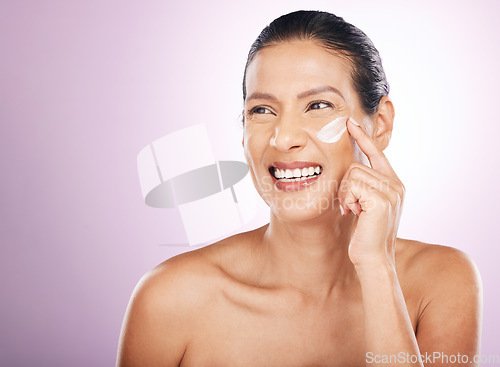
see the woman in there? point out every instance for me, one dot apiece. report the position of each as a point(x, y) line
point(326, 282)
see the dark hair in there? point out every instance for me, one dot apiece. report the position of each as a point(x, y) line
point(335, 34)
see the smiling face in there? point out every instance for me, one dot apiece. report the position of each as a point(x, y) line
point(293, 90)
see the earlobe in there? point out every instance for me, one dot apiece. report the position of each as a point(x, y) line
point(384, 122)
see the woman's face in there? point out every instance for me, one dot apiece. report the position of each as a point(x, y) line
point(293, 90)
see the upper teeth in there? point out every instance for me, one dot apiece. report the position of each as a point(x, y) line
point(297, 172)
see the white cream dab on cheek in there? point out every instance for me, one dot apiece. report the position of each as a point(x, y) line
point(331, 132)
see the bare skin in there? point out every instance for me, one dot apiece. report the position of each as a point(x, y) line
point(210, 307)
point(317, 286)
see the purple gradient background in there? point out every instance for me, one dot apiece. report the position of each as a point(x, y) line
point(85, 85)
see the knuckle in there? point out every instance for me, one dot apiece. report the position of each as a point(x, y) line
point(395, 200)
point(402, 191)
point(398, 192)
point(399, 198)
point(356, 173)
point(355, 166)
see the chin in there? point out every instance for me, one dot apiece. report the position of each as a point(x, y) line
point(300, 208)
point(298, 200)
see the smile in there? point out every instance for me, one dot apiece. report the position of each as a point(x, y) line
point(292, 176)
point(288, 175)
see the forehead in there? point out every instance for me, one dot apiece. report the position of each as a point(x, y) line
point(291, 67)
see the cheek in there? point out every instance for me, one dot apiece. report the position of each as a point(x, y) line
point(254, 145)
point(254, 150)
point(338, 147)
point(248, 145)
point(255, 140)
point(340, 156)
point(333, 131)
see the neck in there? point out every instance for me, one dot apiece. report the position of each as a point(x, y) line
point(311, 256)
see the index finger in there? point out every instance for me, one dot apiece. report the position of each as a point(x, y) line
point(377, 158)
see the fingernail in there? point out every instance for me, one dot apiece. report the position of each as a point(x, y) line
point(354, 121)
point(341, 210)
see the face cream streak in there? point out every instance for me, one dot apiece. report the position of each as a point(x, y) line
point(331, 132)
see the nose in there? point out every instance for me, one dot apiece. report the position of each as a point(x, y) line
point(289, 135)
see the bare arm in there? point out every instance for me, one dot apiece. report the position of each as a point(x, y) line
point(449, 325)
point(155, 329)
point(451, 319)
point(375, 195)
point(389, 336)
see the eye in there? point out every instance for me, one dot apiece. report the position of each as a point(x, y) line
point(319, 105)
point(260, 110)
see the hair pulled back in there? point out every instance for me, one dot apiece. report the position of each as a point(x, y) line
point(337, 35)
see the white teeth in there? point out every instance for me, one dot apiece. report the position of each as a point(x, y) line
point(293, 179)
point(288, 175)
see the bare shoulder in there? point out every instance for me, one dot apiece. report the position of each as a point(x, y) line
point(157, 325)
point(189, 278)
point(168, 302)
point(202, 266)
point(436, 266)
point(446, 285)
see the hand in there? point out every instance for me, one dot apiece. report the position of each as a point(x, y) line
point(376, 196)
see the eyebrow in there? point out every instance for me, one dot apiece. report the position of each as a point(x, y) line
point(308, 93)
point(325, 88)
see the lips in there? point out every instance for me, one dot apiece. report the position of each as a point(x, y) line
point(293, 176)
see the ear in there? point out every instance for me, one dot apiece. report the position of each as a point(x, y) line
point(384, 121)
